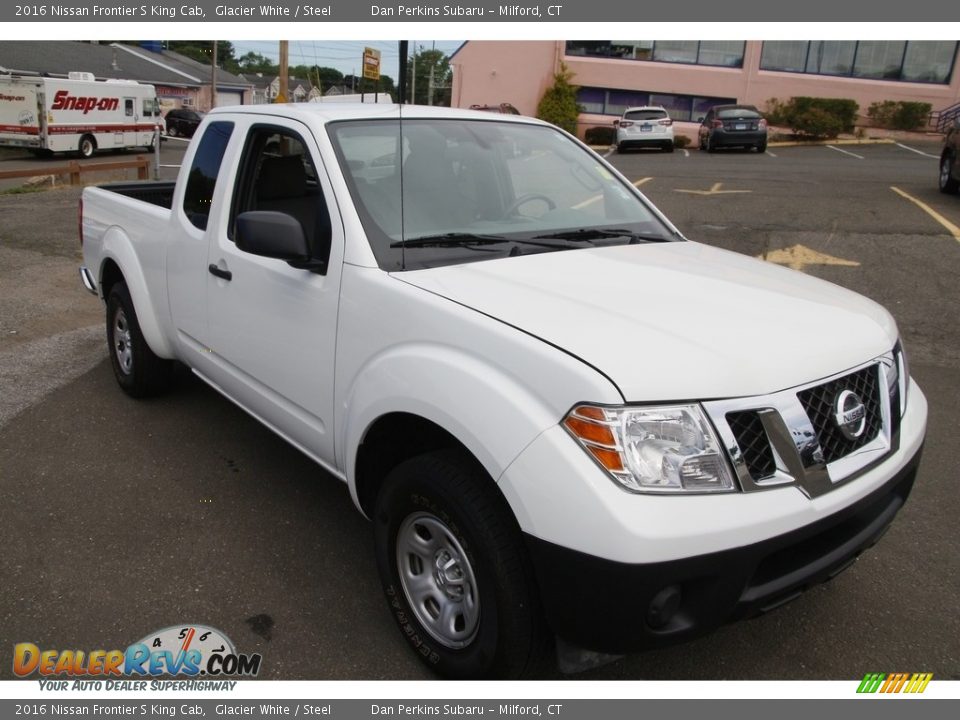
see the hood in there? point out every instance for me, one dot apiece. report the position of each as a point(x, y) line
point(675, 321)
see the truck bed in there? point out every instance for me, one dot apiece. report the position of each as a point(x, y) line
point(155, 192)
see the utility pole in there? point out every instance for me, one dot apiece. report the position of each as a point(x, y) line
point(402, 90)
point(430, 88)
point(284, 71)
point(213, 77)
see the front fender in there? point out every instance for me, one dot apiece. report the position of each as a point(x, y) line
point(118, 247)
point(492, 413)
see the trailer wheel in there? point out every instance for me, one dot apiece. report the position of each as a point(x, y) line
point(87, 146)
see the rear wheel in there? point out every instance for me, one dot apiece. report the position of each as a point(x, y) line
point(455, 570)
point(711, 144)
point(668, 147)
point(762, 146)
point(172, 130)
point(139, 372)
point(87, 146)
point(948, 184)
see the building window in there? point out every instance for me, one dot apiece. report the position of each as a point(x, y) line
point(914, 61)
point(688, 52)
point(929, 62)
point(831, 58)
point(686, 108)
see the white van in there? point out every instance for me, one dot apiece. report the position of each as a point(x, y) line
point(78, 114)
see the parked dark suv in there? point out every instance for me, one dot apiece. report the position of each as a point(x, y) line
point(733, 126)
point(182, 123)
point(950, 160)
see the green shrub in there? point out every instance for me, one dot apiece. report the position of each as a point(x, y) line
point(681, 141)
point(899, 115)
point(600, 136)
point(559, 103)
point(818, 117)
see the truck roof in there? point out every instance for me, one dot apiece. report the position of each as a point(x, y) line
point(330, 112)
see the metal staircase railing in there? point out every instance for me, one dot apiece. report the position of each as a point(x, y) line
point(940, 120)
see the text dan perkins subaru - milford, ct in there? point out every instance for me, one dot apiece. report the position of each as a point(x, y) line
point(563, 418)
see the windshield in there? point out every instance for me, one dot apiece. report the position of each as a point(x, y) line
point(475, 190)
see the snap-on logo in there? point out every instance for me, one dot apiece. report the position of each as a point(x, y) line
point(63, 100)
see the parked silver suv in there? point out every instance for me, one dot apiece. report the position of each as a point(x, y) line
point(645, 126)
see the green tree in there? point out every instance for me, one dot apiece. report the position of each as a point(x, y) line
point(559, 103)
point(425, 61)
point(360, 84)
point(253, 62)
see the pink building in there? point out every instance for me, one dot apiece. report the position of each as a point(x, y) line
point(688, 77)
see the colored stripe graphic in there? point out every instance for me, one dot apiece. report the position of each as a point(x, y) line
point(913, 683)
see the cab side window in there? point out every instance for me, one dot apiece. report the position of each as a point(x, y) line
point(202, 180)
point(278, 174)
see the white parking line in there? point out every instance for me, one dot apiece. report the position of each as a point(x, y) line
point(770, 154)
point(608, 153)
point(686, 153)
point(845, 152)
point(918, 152)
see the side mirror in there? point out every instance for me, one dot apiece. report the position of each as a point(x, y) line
point(700, 119)
point(616, 123)
point(273, 235)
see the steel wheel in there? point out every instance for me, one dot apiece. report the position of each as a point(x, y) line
point(122, 342)
point(87, 146)
point(438, 580)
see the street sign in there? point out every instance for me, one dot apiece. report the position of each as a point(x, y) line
point(371, 64)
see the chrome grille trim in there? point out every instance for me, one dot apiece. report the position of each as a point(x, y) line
point(793, 439)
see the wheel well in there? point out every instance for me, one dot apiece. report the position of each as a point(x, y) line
point(109, 277)
point(388, 442)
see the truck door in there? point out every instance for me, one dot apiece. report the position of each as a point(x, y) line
point(131, 118)
point(273, 326)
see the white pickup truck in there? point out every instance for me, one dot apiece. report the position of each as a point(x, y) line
point(562, 418)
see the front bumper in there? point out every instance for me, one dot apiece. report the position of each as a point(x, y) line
point(615, 607)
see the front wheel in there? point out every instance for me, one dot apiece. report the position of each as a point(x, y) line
point(948, 184)
point(139, 372)
point(455, 570)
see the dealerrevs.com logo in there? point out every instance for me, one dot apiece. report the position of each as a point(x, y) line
point(189, 651)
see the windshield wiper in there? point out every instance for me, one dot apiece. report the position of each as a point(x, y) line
point(588, 234)
point(451, 239)
point(455, 239)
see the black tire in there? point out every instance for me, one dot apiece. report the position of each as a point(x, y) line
point(138, 371)
point(948, 184)
point(668, 147)
point(506, 637)
point(762, 147)
point(172, 131)
point(87, 146)
point(621, 149)
point(711, 145)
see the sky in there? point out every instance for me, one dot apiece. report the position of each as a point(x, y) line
point(345, 56)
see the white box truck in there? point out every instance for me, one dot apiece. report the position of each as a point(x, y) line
point(77, 114)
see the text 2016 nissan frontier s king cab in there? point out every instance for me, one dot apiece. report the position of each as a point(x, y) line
point(561, 417)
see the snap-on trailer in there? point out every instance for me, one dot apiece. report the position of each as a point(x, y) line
point(78, 114)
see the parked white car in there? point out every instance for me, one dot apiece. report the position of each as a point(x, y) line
point(647, 126)
point(561, 416)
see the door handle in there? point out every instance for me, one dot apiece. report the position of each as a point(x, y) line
point(223, 274)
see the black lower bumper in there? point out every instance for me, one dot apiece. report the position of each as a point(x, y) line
point(615, 607)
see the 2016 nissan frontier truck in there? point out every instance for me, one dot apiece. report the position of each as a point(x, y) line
point(562, 418)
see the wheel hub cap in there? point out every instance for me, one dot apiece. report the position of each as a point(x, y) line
point(122, 342)
point(438, 580)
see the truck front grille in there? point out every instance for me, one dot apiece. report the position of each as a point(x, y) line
point(752, 440)
point(820, 403)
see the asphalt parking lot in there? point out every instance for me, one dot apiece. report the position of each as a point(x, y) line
point(122, 517)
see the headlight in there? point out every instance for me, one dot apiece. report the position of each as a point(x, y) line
point(666, 449)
